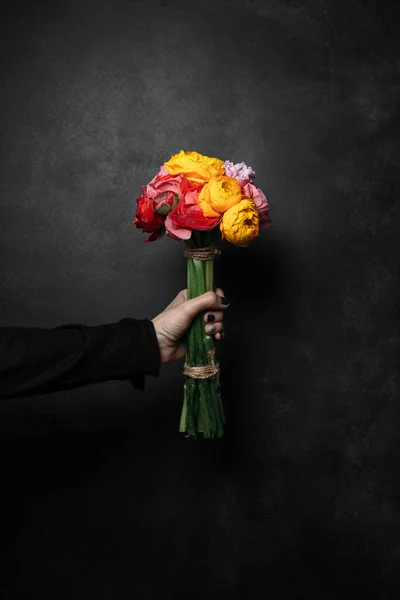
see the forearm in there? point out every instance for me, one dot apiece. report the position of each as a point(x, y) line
point(37, 361)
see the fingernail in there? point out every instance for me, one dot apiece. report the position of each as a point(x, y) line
point(224, 300)
point(210, 318)
point(211, 328)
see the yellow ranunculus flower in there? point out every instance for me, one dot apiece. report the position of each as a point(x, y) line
point(241, 223)
point(219, 194)
point(195, 166)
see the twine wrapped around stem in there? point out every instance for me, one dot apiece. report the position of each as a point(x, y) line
point(204, 372)
point(202, 253)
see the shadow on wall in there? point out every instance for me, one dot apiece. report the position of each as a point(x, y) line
point(268, 285)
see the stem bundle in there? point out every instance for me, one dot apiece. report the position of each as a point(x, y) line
point(202, 410)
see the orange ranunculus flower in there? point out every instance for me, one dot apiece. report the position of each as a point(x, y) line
point(219, 194)
point(241, 223)
point(195, 166)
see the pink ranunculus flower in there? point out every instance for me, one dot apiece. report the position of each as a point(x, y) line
point(259, 199)
point(161, 173)
point(239, 171)
point(164, 182)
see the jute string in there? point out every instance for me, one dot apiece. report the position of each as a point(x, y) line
point(202, 253)
point(205, 372)
point(210, 371)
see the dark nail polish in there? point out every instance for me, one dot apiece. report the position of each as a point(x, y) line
point(210, 318)
point(224, 300)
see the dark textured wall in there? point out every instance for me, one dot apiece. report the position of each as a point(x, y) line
point(102, 497)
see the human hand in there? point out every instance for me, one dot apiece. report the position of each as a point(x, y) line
point(172, 324)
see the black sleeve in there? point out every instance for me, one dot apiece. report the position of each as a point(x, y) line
point(38, 361)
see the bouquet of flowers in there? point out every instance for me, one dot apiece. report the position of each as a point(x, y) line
point(202, 200)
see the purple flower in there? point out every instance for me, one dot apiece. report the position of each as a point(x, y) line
point(238, 170)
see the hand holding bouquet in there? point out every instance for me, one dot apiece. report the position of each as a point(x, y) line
point(200, 200)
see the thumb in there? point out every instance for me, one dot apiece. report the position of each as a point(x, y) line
point(207, 301)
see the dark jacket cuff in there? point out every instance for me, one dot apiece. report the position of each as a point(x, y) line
point(144, 349)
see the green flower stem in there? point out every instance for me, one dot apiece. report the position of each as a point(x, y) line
point(209, 275)
point(183, 421)
point(202, 406)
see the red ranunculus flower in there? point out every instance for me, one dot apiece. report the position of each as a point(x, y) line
point(147, 219)
point(187, 216)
